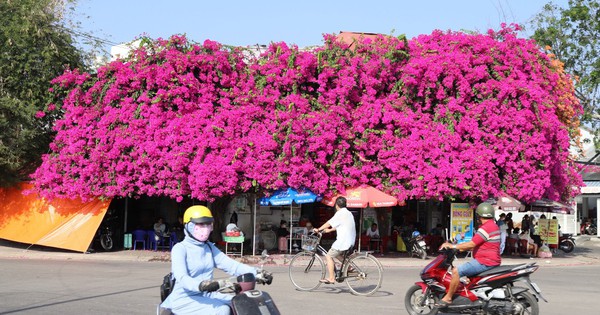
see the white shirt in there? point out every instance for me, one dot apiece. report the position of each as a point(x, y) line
point(231, 227)
point(343, 222)
point(373, 234)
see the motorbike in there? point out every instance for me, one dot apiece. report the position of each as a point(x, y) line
point(589, 228)
point(106, 240)
point(566, 243)
point(247, 299)
point(492, 292)
point(417, 246)
point(105, 232)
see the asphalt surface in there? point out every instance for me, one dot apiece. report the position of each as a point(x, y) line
point(587, 252)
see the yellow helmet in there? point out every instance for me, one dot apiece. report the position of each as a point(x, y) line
point(197, 214)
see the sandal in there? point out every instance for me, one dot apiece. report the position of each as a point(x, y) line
point(325, 281)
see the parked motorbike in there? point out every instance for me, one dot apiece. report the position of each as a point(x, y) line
point(105, 231)
point(488, 293)
point(566, 243)
point(417, 246)
point(589, 228)
point(106, 240)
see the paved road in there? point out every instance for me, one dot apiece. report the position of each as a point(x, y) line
point(58, 282)
point(116, 287)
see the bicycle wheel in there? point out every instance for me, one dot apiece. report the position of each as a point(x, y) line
point(306, 269)
point(364, 275)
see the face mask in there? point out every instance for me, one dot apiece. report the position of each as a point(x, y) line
point(202, 231)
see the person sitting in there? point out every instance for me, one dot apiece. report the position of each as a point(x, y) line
point(232, 227)
point(282, 236)
point(160, 229)
point(178, 228)
point(532, 247)
point(373, 232)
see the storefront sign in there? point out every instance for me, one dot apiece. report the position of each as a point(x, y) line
point(461, 222)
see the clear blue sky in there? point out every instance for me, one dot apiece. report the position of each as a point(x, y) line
point(303, 22)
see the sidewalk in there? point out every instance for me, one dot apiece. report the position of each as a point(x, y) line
point(587, 252)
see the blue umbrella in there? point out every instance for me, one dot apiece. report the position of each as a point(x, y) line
point(288, 197)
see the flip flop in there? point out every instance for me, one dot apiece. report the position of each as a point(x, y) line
point(325, 281)
point(442, 304)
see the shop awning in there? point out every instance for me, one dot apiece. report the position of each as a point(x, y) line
point(61, 223)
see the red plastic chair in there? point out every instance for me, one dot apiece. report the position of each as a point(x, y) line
point(512, 246)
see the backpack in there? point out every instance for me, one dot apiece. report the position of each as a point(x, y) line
point(167, 286)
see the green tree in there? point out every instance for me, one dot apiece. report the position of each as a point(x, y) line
point(35, 47)
point(573, 35)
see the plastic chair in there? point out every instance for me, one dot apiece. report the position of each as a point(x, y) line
point(139, 236)
point(524, 246)
point(152, 240)
point(512, 246)
point(173, 240)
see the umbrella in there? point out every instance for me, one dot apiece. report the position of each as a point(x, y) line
point(288, 197)
point(363, 197)
point(507, 203)
point(547, 205)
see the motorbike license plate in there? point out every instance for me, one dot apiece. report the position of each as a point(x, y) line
point(535, 287)
point(422, 243)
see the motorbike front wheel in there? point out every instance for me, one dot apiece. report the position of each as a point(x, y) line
point(106, 242)
point(417, 303)
point(527, 303)
point(566, 246)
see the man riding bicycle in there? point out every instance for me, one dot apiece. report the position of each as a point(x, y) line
point(343, 223)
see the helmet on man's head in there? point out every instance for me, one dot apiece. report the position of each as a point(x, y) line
point(197, 214)
point(485, 210)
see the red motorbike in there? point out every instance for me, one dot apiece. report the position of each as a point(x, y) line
point(488, 293)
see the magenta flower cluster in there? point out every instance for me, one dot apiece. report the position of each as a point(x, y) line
point(445, 115)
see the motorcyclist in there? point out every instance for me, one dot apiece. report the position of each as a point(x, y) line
point(486, 251)
point(193, 261)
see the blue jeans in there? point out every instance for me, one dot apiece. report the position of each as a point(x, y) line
point(472, 268)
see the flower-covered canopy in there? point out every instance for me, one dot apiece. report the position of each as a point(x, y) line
point(445, 115)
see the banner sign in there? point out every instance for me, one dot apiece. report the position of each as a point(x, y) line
point(548, 230)
point(461, 222)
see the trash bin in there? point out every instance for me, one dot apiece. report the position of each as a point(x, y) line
point(127, 241)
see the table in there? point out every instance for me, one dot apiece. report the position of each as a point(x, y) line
point(234, 240)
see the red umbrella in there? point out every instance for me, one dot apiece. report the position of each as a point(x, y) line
point(363, 197)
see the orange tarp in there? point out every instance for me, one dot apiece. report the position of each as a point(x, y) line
point(61, 223)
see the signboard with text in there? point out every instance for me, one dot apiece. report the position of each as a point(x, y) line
point(548, 230)
point(461, 222)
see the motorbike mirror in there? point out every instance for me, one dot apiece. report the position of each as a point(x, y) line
point(246, 281)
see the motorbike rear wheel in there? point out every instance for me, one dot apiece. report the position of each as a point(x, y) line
point(566, 246)
point(414, 302)
point(528, 303)
point(106, 241)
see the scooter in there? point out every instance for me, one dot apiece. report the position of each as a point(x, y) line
point(566, 243)
point(490, 292)
point(247, 300)
point(417, 246)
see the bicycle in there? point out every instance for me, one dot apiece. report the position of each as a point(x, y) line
point(362, 272)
